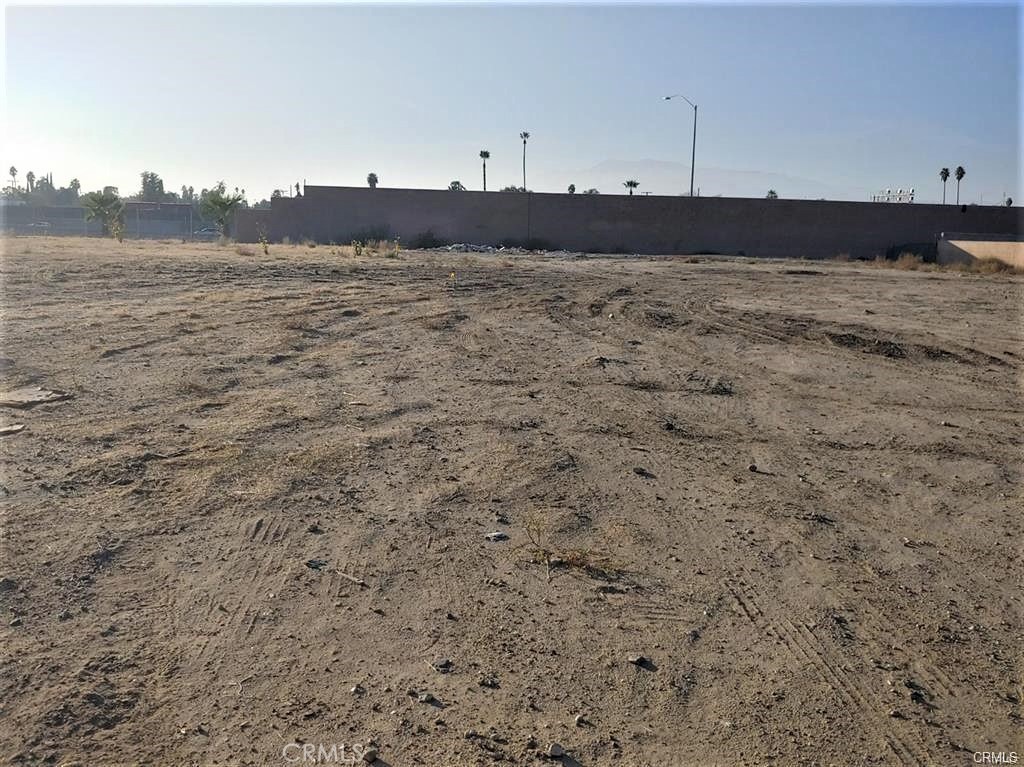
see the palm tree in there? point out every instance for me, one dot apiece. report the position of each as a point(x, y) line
point(372, 180)
point(944, 175)
point(485, 156)
point(524, 135)
point(14, 175)
point(220, 207)
point(456, 186)
point(772, 195)
point(105, 207)
point(30, 180)
point(631, 185)
point(959, 173)
point(571, 189)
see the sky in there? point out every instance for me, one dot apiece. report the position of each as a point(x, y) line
point(824, 100)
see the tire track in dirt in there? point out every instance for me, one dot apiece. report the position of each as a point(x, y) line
point(727, 320)
point(803, 645)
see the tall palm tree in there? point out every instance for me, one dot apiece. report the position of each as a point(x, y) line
point(944, 175)
point(524, 135)
point(14, 174)
point(485, 156)
point(959, 173)
point(30, 180)
point(631, 185)
point(372, 180)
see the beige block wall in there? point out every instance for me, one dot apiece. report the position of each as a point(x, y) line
point(967, 251)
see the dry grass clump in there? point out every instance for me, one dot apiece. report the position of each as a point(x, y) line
point(986, 266)
point(543, 550)
point(914, 263)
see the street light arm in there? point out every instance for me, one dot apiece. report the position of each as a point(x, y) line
point(680, 96)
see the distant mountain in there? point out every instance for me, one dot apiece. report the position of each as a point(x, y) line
point(673, 178)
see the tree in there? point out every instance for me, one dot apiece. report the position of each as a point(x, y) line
point(30, 180)
point(959, 174)
point(1009, 202)
point(372, 180)
point(524, 136)
point(107, 208)
point(485, 156)
point(631, 185)
point(218, 205)
point(152, 187)
point(75, 186)
point(591, 191)
point(571, 189)
point(772, 195)
point(513, 189)
point(944, 175)
point(14, 178)
point(456, 186)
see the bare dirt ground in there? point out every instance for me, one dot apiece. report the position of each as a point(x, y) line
point(261, 518)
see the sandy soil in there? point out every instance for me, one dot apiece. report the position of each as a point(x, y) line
point(261, 518)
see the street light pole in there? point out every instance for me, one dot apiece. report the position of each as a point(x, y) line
point(693, 155)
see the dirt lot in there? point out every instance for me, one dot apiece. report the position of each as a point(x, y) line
point(260, 519)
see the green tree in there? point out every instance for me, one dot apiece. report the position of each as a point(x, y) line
point(14, 178)
point(524, 136)
point(219, 206)
point(107, 208)
point(772, 194)
point(152, 187)
point(944, 175)
point(571, 189)
point(959, 174)
point(485, 156)
point(456, 186)
point(30, 180)
point(591, 191)
point(631, 185)
point(372, 180)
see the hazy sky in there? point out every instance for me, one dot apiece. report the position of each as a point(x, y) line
point(848, 99)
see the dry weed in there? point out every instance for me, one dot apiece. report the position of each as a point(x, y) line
point(544, 550)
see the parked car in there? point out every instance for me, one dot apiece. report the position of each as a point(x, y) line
point(206, 233)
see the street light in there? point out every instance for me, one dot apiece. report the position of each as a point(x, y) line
point(693, 157)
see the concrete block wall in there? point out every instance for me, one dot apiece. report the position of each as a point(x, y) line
point(620, 223)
